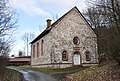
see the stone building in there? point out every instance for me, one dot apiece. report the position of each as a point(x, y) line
point(68, 41)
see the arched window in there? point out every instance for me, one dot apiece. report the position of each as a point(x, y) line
point(33, 51)
point(88, 55)
point(42, 47)
point(76, 40)
point(37, 49)
point(64, 55)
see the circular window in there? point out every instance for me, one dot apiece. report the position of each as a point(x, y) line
point(76, 40)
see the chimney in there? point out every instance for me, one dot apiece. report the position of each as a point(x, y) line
point(48, 23)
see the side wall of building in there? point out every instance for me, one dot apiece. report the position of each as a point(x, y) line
point(43, 57)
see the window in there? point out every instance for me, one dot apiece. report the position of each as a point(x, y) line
point(88, 56)
point(33, 51)
point(42, 47)
point(76, 40)
point(37, 49)
point(64, 56)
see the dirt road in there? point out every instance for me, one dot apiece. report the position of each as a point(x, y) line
point(35, 76)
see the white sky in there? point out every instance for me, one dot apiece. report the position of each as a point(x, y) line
point(32, 16)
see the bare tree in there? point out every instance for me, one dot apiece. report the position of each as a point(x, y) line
point(105, 16)
point(104, 12)
point(7, 24)
point(7, 27)
point(27, 37)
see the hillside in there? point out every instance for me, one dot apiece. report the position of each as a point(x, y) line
point(106, 72)
point(109, 71)
point(10, 75)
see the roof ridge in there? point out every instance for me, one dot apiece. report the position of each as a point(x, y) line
point(64, 15)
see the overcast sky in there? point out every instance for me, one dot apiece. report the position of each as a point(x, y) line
point(32, 16)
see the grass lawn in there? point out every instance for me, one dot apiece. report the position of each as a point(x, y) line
point(52, 70)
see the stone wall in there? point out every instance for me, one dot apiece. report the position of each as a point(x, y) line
point(61, 38)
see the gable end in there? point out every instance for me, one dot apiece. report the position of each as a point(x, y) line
point(47, 30)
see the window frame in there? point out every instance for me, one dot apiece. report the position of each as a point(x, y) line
point(88, 55)
point(38, 49)
point(42, 47)
point(64, 56)
point(76, 40)
point(33, 51)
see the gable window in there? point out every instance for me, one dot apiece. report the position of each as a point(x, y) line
point(33, 51)
point(37, 49)
point(88, 55)
point(64, 55)
point(76, 40)
point(42, 42)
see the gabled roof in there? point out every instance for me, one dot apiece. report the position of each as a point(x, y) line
point(47, 30)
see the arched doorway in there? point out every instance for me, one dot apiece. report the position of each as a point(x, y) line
point(76, 58)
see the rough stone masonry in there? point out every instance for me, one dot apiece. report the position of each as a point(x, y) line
point(67, 42)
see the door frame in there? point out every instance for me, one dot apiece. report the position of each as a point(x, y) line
point(73, 58)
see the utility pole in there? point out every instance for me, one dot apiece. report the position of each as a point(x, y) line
point(27, 46)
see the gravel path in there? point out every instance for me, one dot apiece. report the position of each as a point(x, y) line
point(34, 76)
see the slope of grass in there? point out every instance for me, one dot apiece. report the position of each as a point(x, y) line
point(53, 70)
point(107, 72)
point(10, 75)
point(58, 73)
